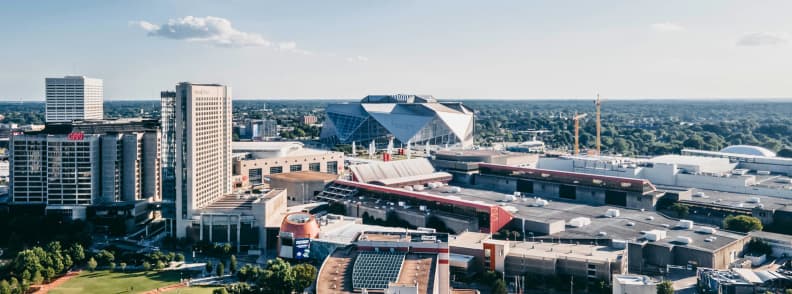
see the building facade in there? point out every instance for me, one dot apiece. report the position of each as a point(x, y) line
point(168, 144)
point(203, 148)
point(74, 98)
point(69, 167)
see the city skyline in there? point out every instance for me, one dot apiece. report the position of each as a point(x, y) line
point(351, 49)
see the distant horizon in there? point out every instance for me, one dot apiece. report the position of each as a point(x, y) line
point(353, 99)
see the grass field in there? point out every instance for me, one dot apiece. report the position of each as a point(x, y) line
point(192, 290)
point(105, 282)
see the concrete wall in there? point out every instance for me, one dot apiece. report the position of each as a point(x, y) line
point(299, 192)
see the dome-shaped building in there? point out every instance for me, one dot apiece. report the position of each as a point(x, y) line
point(749, 150)
point(296, 232)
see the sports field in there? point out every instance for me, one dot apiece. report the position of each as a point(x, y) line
point(106, 282)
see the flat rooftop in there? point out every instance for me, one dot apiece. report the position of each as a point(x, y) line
point(629, 225)
point(473, 240)
point(303, 176)
point(240, 201)
point(738, 200)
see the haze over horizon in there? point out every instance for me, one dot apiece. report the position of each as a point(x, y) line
point(449, 49)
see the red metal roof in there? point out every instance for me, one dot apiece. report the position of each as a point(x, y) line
point(499, 217)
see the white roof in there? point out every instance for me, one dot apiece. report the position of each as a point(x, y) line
point(749, 150)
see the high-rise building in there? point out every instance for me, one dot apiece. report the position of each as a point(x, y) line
point(167, 123)
point(74, 98)
point(203, 148)
point(73, 167)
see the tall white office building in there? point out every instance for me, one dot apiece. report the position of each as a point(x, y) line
point(74, 98)
point(203, 148)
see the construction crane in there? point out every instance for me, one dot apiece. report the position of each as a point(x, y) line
point(598, 103)
point(577, 118)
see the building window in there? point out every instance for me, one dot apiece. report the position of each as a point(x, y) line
point(332, 167)
point(295, 167)
point(254, 176)
point(314, 166)
point(276, 170)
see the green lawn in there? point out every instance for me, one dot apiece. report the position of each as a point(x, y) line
point(192, 290)
point(105, 282)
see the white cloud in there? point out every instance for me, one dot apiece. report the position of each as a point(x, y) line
point(667, 27)
point(214, 30)
point(358, 59)
point(291, 46)
point(764, 39)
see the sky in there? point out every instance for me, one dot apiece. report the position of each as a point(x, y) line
point(450, 49)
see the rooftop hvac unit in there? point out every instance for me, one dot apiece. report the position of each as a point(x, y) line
point(706, 230)
point(541, 203)
point(683, 240)
point(685, 224)
point(655, 235)
point(408, 188)
point(579, 222)
point(508, 198)
point(612, 212)
point(401, 203)
point(699, 194)
point(602, 234)
point(763, 172)
point(618, 244)
point(517, 194)
point(418, 187)
point(754, 200)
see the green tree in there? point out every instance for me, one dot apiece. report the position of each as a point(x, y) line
point(16, 288)
point(179, 257)
point(304, 276)
point(665, 287)
point(220, 291)
point(499, 287)
point(123, 266)
point(37, 278)
point(220, 269)
point(208, 266)
point(92, 264)
point(146, 266)
point(681, 210)
point(742, 223)
point(159, 265)
point(105, 257)
point(5, 288)
point(112, 266)
point(76, 252)
point(278, 278)
point(232, 264)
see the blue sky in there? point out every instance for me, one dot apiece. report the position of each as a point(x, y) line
point(451, 49)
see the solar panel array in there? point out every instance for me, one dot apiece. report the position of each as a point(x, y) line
point(374, 270)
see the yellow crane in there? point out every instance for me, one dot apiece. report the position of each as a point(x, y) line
point(598, 103)
point(577, 118)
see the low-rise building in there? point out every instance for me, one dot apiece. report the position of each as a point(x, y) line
point(633, 284)
point(254, 162)
point(303, 186)
point(249, 222)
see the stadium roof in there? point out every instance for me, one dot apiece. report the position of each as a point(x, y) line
point(749, 150)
